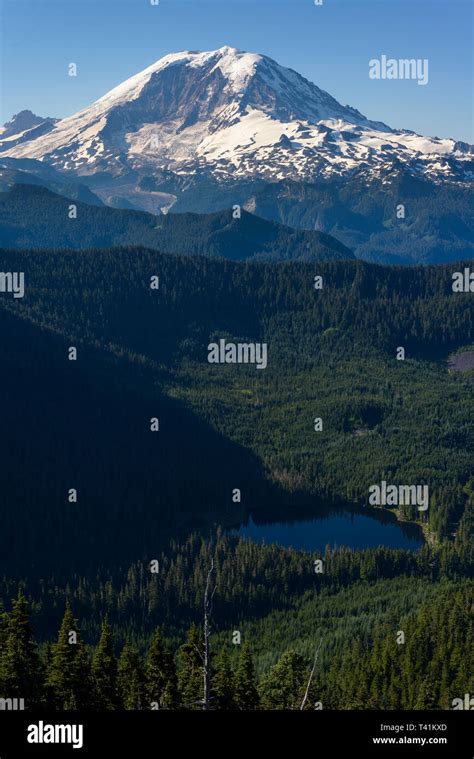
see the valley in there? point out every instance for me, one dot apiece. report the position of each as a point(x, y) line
point(142, 355)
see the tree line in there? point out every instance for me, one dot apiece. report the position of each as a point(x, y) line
point(427, 668)
point(70, 675)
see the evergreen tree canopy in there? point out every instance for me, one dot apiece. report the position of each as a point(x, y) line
point(190, 672)
point(20, 671)
point(284, 686)
point(131, 679)
point(69, 679)
point(104, 670)
point(161, 681)
point(223, 696)
point(246, 694)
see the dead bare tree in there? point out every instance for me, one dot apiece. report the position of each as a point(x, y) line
point(305, 699)
point(208, 598)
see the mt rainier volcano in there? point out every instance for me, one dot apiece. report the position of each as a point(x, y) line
point(231, 115)
point(201, 131)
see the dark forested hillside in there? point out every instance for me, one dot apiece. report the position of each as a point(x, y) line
point(153, 440)
point(401, 220)
point(34, 217)
point(142, 353)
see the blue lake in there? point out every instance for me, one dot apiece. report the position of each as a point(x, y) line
point(343, 529)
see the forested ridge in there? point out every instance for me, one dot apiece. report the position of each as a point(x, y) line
point(435, 225)
point(34, 217)
point(142, 353)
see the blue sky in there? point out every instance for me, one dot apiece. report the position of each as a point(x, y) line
point(110, 40)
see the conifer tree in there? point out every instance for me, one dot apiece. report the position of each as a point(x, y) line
point(190, 674)
point(161, 683)
point(21, 671)
point(3, 644)
point(69, 678)
point(104, 670)
point(283, 687)
point(223, 696)
point(246, 694)
point(427, 697)
point(131, 679)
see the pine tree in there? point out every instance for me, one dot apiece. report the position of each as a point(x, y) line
point(190, 674)
point(69, 678)
point(22, 674)
point(131, 679)
point(3, 644)
point(246, 694)
point(223, 683)
point(283, 687)
point(427, 696)
point(161, 683)
point(104, 670)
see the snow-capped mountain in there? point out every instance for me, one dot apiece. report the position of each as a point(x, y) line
point(225, 114)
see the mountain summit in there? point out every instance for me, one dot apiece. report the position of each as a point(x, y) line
point(228, 115)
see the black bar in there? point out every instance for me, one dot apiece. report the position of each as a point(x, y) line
point(339, 733)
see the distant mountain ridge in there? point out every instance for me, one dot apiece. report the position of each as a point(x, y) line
point(28, 171)
point(34, 217)
point(24, 126)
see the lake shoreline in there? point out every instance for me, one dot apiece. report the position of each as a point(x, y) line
point(357, 528)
